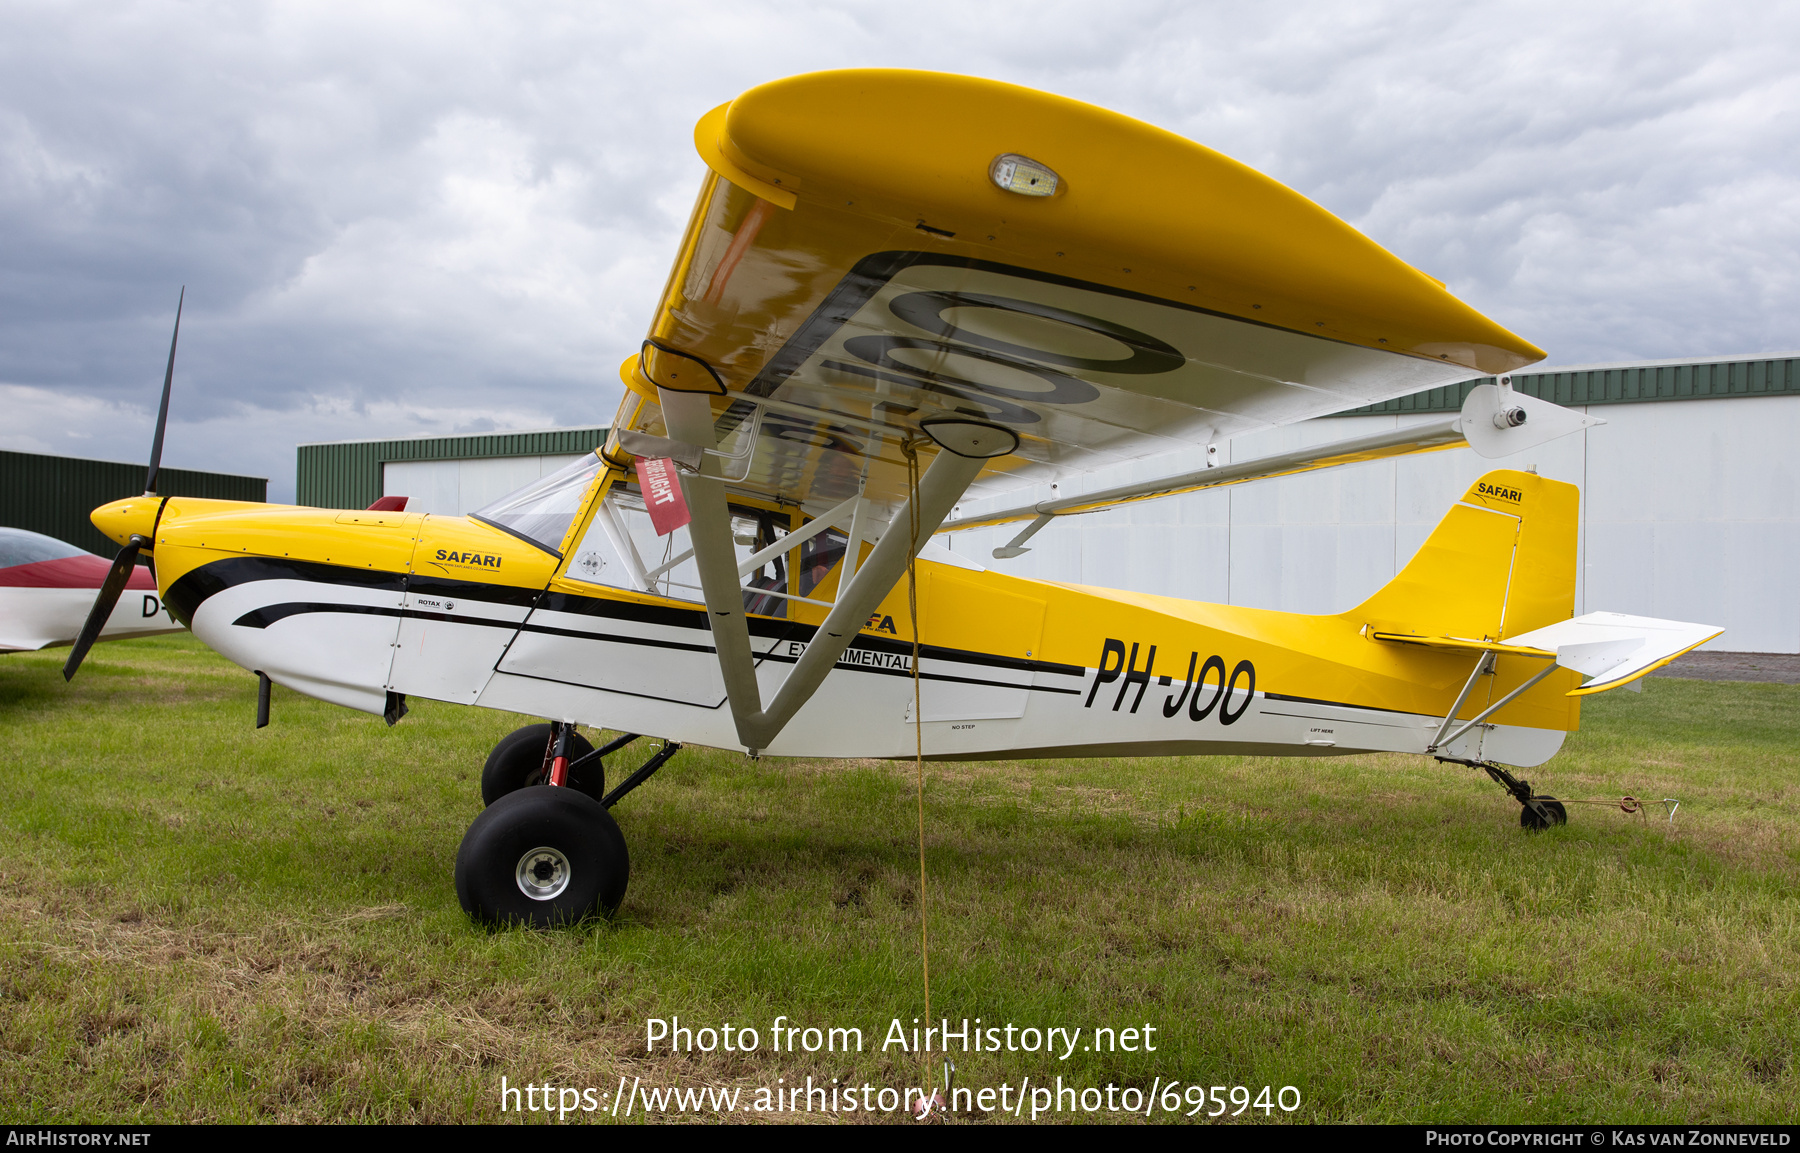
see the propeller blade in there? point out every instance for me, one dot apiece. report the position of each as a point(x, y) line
point(104, 604)
point(162, 414)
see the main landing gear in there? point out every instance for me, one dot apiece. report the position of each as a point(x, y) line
point(1536, 812)
point(546, 851)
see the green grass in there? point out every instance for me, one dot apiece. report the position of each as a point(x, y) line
point(203, 922)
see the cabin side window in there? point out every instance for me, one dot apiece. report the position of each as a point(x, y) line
point(622, 550)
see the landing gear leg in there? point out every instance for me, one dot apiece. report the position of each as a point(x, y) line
point(525, 757)
point(1536, 812)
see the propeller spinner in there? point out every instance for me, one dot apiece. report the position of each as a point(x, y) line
point(114, 584)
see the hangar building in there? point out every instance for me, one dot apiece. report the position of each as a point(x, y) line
point(53, 495)
point(451, 475)
point(1691, 500)
point(1690, 505)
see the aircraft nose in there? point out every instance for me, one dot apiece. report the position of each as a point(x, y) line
point(121, 518)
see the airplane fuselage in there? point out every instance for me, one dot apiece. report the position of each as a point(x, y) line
point(43, 603)
point(355, 607)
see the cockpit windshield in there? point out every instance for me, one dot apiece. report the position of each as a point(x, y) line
point(542, 511)
point(20, 546)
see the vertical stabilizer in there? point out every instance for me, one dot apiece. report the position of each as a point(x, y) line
point(1500, 563)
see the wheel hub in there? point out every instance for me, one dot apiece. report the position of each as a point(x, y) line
point(543, 873)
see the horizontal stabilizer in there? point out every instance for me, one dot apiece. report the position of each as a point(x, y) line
point(1614, 649)
point(1610, 648)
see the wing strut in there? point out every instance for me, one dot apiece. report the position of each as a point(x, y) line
point(966, 446)
point(1016, 546)
point(1494, 421)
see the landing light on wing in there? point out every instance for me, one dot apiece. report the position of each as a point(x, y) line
point(1024, 176)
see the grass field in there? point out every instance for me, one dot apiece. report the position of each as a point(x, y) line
point(204, 922)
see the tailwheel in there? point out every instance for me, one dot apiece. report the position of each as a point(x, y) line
point(523, 756)
point(1536, 812)
point(542, 856)
point(1533, 821)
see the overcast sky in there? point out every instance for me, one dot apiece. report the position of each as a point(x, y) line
point(399, 219)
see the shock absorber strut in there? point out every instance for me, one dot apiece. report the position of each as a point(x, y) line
point(559, 762)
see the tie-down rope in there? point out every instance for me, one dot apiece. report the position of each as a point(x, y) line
point(912, 607)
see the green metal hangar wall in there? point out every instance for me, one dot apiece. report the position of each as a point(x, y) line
point(53, 495)
point(444, 475)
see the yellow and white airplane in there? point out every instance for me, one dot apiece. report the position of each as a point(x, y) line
point(900, 292)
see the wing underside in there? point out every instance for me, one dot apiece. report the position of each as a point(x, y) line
point(851, 271)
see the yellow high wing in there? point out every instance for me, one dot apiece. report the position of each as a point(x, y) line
point(875, 248)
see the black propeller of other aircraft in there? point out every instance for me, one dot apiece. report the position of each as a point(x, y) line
point(122, 564)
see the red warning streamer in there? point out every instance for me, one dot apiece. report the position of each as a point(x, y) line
point(661, 487)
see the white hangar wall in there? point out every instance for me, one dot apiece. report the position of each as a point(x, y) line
point(1690, 507)
point(1690, 511)
point(450, 474)
point(459, 487)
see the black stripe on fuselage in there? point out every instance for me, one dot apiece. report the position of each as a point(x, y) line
point(1333, 720)
point(424, 584)
point(780, 630)
point(195, 587)
point(221, 575)
point(1342, 705)
point(262, 618)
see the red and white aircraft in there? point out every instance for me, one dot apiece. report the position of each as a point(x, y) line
point(47, 589)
